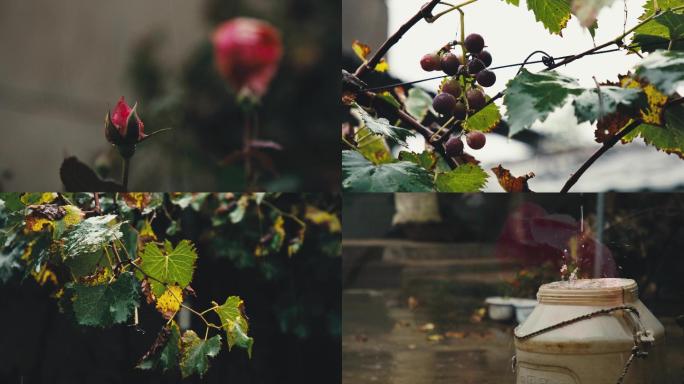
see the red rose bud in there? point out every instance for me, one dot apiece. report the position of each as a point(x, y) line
point(124, 128)
point(247, 52)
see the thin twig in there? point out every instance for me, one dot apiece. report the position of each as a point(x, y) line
point(425, 11)
point(605, 147)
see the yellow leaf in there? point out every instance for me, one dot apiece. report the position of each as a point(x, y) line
point(321, 217)
point(656, 101)
point(44, 275)
point(74, 215)
point(147, 233)
point(170, 301)
point(382, 66)
point(45, 198)
point(38, 224)
point(361, 49)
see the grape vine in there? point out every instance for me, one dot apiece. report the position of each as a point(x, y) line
point(643, 103)
point(105, 257)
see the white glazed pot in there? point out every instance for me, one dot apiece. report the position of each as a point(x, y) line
point(499, 308)
point(593, 349)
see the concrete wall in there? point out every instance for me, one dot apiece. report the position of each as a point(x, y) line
point(63, 66)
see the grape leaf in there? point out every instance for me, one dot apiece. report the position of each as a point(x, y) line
point(533, 96)
point(670, 138)
point(373, 147)
point(587, 10)
point(663, 69)
point(464, 178)
point(418, 103)
point(165, 350)
point(360, 175)
point(91, 234)
point(426, 159)
point(589, 108)
point(484, 120)
point(235, 323)
point(106, 304)
point(656, 34)
point(554, 14)
point(171, 265)
point(195, 353)
point(382, 127)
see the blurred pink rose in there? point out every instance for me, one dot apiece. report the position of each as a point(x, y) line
point(247, 53)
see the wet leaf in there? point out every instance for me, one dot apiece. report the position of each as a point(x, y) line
point(533, 96)
point(382, 127)
point(107, 304)
point(663, 69)
point(589, 108)
point(195, 353)
point(91, 235)
point(360, 175)
point(511, 183)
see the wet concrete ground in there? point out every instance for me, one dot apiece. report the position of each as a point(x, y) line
point(433, 337)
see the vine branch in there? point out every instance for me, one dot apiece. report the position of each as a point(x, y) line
point(605, 147)
point(424, 13)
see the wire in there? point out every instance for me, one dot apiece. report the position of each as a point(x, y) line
point(546, 59)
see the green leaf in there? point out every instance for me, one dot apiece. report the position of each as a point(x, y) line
point(383, 128)
point(165, 358)
point(587, 10)
point(235, 323)
point(86, 264)
point(484, 120)
point(513, 2)
point(389, 98)
point(195, 353)
point(533, 96)
point(91, 235)
point(418, 103)
point(465, 178)
point(171, 265)
point(426, 159)
point(670, 138)
point(661, 29)
point(107, 304)
point(360, 175)
point(588, 107)
point(663, 69)
point(373, 147)
point(554, 14)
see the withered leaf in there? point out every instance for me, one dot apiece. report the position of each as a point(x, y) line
point(511, 183)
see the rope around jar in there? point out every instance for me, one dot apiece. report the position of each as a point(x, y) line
point(643, 338)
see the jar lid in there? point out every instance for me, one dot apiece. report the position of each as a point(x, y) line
point(607, 291)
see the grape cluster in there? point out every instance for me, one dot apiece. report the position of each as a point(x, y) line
point(460, 94)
